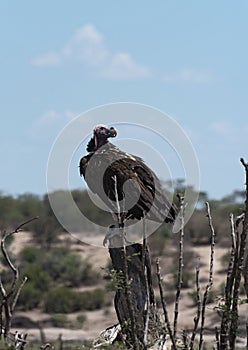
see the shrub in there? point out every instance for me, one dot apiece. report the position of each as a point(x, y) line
point(65, 300)
point(187, 278)
point(61, 264)
point(92, 300)
point(59, 320)
point(212, 296)
point(30, 297)
point(39, 278)
point(61, 300)
point(82, 318)
point(29, 255)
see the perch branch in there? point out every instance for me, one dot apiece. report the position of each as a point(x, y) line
point(180, 263)
point(127, 281)
point(148, 308)
point(117, 200)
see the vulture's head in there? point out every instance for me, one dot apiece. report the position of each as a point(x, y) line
point(101, 133)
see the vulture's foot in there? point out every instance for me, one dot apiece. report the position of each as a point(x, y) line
point(115, 236)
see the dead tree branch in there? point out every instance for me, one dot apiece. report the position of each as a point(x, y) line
point(180, 263)
point(166, 317)
point(240, 267)
point(9, 299)
point(198, 314)
point(210, 278)
point(226, 312)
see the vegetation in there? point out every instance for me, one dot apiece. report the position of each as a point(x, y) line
point(47, 229)
point(66, 300)
point(56, 273)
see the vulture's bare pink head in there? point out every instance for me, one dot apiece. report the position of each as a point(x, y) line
point(101, 133)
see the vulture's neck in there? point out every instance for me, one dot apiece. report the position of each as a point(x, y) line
point(94, 144)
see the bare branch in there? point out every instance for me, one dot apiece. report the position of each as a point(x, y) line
point(226, 312)
point(246, 334)
point(240, 266)
point(25, 223)
point(180, 263)
point(18, 293)
point(6, 236)
point(117, 200)
point(46, 346)
point(217, 338)
point(5, 254)
point(234, 241)
point(210, 278)
point(244, 163)
point(148, 306)
point(236, 288)
point(148, 311)
point(6, 306)
point(166, 317)
point(198, 314)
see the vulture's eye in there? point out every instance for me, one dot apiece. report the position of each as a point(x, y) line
point(101, 128)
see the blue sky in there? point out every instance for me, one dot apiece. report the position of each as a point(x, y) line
point(59, 59)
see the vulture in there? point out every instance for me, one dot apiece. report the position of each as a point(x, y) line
point(127, 186)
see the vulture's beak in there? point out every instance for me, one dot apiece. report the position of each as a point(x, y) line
point(112, 132)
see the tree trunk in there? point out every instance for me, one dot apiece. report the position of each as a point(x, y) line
point(134, 293)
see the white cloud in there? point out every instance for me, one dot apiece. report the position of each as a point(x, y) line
point(48, 59)
point(49, 116)
point(52, 116)
point(122, 66)
point(222, 127)
point(88, 47)
point(235, 132)
point(189, 75)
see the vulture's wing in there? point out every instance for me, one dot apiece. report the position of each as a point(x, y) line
point(137, 187)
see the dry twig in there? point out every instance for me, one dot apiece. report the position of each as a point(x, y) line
point(226, 312)
point(7, 304)
point(240, 266)
point(166, 317)
point(210, 278)
point(198, 314)
point(180, 263)
point(217, 338)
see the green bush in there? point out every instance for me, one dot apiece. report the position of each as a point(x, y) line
point(30, 255)
point(61, 264)
point(39, 278)
point(57, 266)
point(92, 300)
point(212, 296)
point(30, 297)
point(187, 279)
point(82, 318)
point(65, 300)
point(59, 320)
point(61, 300)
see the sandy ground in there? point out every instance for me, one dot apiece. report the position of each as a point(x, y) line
point(101, 319)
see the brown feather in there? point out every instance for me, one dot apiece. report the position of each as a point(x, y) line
point(124, 167)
